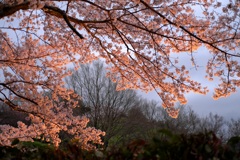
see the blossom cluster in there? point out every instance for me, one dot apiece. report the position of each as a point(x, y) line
point(136, 39)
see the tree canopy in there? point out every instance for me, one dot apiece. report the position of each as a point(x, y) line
point(136, 39)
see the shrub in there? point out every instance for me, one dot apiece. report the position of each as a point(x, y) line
point(164, 146)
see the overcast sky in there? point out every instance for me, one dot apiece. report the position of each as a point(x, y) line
point(204, 104)
point(228, 107)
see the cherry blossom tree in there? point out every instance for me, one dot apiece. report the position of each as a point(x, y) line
point(136, 38)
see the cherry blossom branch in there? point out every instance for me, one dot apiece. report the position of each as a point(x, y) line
point(16, 108)
point(55, 11)
point(187, 31)
point(65, 17)
point(20, 96)
point(140, 55)
point(7, 10)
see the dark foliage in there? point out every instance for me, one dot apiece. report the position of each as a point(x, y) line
point(165, 146)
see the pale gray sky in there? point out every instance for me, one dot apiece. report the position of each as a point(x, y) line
point(204, 104)
point(228, 107)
